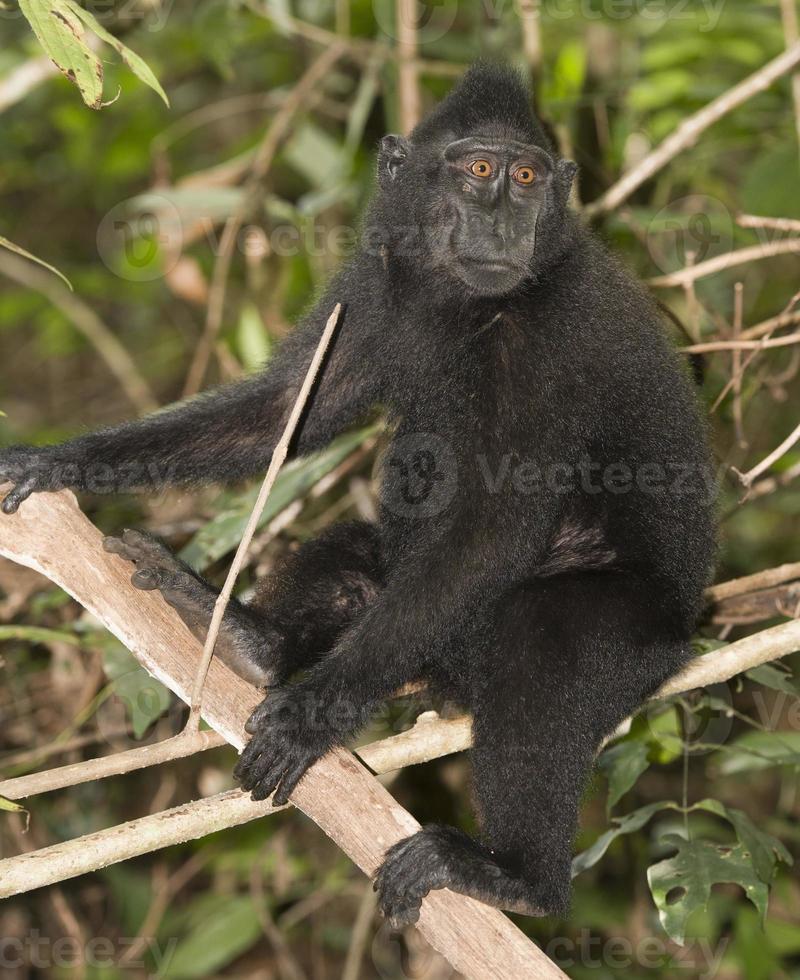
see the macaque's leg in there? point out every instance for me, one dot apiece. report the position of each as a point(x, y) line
point(297, 613)
point(570, 659)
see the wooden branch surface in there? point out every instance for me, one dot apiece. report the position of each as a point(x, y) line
point(51, 535)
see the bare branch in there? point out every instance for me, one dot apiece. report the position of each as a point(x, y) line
point(50, 534)
point(792, 35)
point(690, 129)
point(751, 475)
point(752, 583)
point(791, 225)
point(20, 787)
point(278, 457)
point(727, 261)
point(408, 82)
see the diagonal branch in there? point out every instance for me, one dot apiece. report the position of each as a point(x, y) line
point(50, 534)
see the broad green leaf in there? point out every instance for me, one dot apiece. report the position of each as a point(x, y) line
point(5, 243)
point(623, 764)
point(628, 824)
point(223, 533)
point(761, 750)
point(764, 849)
point(136, 64)
point(215, 941)
point(252, 340)
point(145, 698)
point(682, 884)
point(769, 675)
point(58, 28)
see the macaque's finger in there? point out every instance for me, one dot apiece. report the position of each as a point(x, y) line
point(20, 492)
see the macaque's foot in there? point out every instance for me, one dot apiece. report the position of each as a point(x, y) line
point(246, 643)
point(290, 731)
point(30, 469)
point(443, 857)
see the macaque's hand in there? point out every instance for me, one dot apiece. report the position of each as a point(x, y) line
point(30, 469)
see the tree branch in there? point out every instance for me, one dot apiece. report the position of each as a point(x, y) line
point(690, 129)
point(50, 534)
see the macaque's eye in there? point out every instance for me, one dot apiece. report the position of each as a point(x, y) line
point(524, 175)
point(481, 168)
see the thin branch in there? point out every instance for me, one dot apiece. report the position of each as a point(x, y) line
point(278, 457)
point(408, 82)
point(262, 162)
point(719, 345)
point(752, 583)
point(727, 261)
point(792, 35)
point(21, 787)
point(530, 19)
point(791, 225)
point(690, 129)
point(83, 317)
point(753, 474)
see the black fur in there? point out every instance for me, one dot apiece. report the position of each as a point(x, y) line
point(514, 567)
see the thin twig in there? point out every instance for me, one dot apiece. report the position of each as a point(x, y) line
point(792, 35)
point(791, 225)
point(360, 933)
point(530, 20)
point(185, 744)
point(83, 317)
point(690, 129)
point(719, 345)
point(736, 365)
point(261, 164)
point(408, 83)
point(278, 456)
point(726, 261)
point(751, 475)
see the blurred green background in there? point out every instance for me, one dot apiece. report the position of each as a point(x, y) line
point(129, 203)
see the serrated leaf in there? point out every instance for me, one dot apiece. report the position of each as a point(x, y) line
point(60, 33)
point(60, 26)
point(682, 884)
point(5, 243)
point(137, 65)
point(623, 764)
point(628, 824)
point(764, 849)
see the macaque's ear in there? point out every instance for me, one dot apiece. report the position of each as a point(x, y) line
point(565, 172)
point(392, 154)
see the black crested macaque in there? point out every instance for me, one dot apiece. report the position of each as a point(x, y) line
point(547, 516)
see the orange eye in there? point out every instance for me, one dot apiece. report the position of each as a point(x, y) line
point(524, 175)
point(481, 168)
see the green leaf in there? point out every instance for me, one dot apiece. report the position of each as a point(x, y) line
point(215, 941)
point(682, 884)
point(223, 533)
point(10, 806)
point(137, 65)
point(5, 243)
point(145, 698)
point(622, 765)
point(764, 849)
point(761, 750)
point(628, 824)
point(252, 340)
point(774, 677)
point(59, 26)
